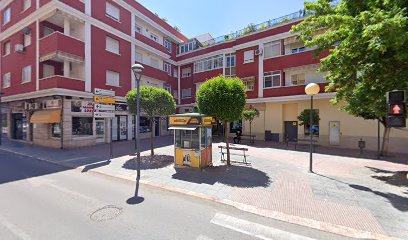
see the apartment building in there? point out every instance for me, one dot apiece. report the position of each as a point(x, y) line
point(55, 53)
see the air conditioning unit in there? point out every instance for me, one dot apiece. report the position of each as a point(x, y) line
point(32, 106)
point(258, 52)
point(19, 48)
point(26, 30)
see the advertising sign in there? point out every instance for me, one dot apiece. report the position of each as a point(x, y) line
point(82, 106)
point(51, 104)
point(106, 100)
point(104, 92)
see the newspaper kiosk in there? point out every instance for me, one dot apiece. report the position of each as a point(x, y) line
point(192, 139)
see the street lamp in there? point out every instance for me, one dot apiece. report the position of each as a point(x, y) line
point(137, 71)
point(1, 119)
point(311, 89)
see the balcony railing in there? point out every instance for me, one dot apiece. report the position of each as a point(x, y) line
point(151, 43)
point(58, 42)
point(62, 82)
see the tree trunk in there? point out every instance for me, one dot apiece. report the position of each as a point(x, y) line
point(386, 141)
point(227, 143)
point(250, 128)
point(151, 137)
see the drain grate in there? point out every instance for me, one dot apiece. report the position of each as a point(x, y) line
point(106, 213)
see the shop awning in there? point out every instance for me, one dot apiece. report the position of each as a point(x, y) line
point(46, 116)
point(183, 128)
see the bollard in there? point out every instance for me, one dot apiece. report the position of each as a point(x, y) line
point(361, 145)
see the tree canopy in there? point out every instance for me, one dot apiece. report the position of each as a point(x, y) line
point(304, 117)
point(367, 51)
point(155, 102)
point(250, 114)
point(223, 98)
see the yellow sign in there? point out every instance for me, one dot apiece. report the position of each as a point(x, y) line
point(106, 100)
point(179, 120)
point(208, 121)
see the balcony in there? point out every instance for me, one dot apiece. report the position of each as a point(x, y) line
point(151, 43)
point(155, 73)
point(59, 43)
point(290, 90)
point(62, 82)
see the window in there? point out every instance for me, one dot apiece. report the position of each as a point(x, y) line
point(112, 78)
point(6, 80)
point(47, 31)
point(167, 44)
point(154, 37)
point(26, 74)
point(112, 11)
point(298, 50)
point(139, 29)
point(230, 69)
point(139, 57)
point(7, 16)
point(48, 70)
point(112, 45)
point(272, 49)
point(249, 56)
point(144, 125)
point(154, 62)
point(186, 93)
point(167, 68)
point(186, 72)
point(167, 87)
point(7, 47)
point(82, 126)
point(315, 127)
point(175, 94)
point(187, 47)
point(272, 79)
point(27, 40)
point(56, 130)
point(209, 64)
point(175, 72)
point(26, 4)
point(249, 83)
point(298, 79)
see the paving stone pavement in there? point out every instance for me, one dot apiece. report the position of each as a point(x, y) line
point(346, 190)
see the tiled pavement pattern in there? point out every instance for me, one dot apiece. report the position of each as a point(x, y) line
point(346, 189)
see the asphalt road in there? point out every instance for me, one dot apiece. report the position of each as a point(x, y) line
point(39, 200)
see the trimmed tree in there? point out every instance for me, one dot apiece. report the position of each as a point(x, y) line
point(250, 115)
point(155, 102)
point(223, 98)
point(368, 54)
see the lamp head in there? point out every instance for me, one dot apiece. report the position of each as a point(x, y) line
point(312, 89)
point(137, 68)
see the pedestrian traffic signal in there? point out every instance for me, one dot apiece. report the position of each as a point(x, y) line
point(396, 116)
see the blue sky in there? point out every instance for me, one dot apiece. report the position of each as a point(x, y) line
point(219, 17)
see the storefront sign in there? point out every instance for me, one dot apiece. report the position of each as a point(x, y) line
point(104, 115)
point(82, 106)
point(51, 104)
point(121, 108)
point(104, 92)
point(106, 100)
point(193, 120)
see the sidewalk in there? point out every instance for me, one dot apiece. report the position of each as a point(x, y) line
point(353, 196)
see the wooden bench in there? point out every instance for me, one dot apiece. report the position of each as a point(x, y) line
point(234, 151)
point(304, 142)
point(250, 137)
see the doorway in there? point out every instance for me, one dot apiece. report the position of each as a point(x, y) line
point(157, 127)
point(334, 133)
point(291, 131)
point(19, 126)
point(100, 130)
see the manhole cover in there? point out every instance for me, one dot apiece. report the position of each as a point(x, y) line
point(106, 213)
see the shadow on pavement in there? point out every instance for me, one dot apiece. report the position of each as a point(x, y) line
point(398, 178)
point(147, 162)
point(398, 202)
point(96, 165)
point(235, 176)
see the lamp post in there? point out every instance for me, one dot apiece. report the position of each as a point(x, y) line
point(137, 71)
point(1, 119)
point(311, 89)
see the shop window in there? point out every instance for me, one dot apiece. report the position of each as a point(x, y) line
point(5, 123)
point(56, 130)
point(144, 125)
point(82, 126)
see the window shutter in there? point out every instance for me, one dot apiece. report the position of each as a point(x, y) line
point(112, 78)
point(249, 56)
point(112, 11)
point(112, 45)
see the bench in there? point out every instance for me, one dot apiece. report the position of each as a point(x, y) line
point(234, 151)
point(250, 137)
point(304, 142)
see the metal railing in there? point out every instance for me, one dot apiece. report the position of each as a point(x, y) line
point(252, 28)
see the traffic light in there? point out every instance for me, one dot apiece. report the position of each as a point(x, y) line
point(396, 109)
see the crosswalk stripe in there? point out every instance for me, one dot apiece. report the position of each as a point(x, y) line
point(254, 229)
point(19, 233)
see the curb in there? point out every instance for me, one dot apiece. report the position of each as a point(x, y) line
point(307, 222)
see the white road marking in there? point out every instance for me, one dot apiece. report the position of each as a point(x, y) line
point(254, 229)
point(19, 233)
point(74, 159)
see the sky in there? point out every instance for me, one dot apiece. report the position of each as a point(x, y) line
point(219, 17)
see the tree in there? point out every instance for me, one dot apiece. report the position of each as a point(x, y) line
point(304, 118)
point(367, 56)
point(249, 115)
point(177, 29)
point(155, 102)
point(223, 98)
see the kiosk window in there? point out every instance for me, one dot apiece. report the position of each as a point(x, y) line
point(187, 139)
